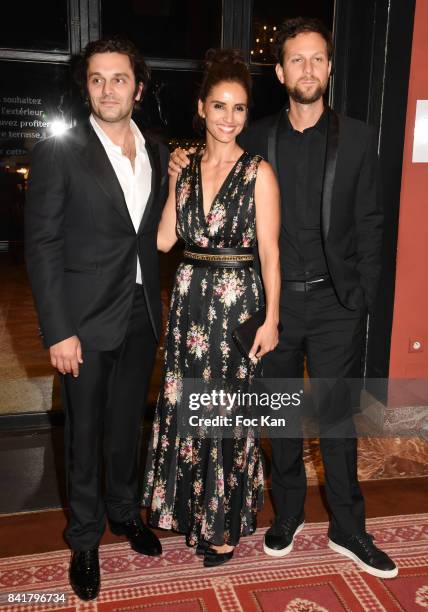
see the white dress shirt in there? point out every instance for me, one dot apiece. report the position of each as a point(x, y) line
point(136, 185)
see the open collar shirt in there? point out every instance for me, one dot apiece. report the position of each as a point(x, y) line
point(135, 183)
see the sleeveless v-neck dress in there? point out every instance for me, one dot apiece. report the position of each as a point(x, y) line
point(209, 489)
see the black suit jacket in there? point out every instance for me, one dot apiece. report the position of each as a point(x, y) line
point(351, 214)
point(81, 245)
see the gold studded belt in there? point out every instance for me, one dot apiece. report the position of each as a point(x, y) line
point(220, 258)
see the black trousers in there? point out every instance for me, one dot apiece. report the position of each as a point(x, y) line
point(331, 337)
point(103, 410)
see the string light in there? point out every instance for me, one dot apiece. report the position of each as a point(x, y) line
point(264, 47)
point(177, 142)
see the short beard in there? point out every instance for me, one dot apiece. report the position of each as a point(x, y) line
point(108, 118)
point(301, 98)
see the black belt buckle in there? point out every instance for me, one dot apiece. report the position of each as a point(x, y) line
point(304, 286)
point(318, 283)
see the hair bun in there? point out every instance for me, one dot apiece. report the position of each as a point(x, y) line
point(222, 65)
point(223, 56)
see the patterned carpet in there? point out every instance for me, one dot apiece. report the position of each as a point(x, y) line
point(312, 578)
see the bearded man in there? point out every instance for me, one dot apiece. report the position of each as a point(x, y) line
point(330, 246)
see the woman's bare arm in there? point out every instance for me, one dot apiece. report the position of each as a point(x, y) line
point(268, 217)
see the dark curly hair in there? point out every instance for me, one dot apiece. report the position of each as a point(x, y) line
point(222, 65)
point(111, 45)
point(290, 28)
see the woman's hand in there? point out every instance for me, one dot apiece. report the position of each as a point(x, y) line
point(267, 338)
point(267, 227)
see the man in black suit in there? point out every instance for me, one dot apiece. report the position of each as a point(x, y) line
point(330, 246)
point(93, 207)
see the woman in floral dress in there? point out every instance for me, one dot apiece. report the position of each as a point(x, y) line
point(211, 488)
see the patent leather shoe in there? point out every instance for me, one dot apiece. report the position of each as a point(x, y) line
point(85, 574)
point(141, 538)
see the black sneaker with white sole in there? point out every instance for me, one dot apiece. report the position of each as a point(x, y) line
point(360, 548)
point(279, 538)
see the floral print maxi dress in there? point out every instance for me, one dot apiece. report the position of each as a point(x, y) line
point(209, 489)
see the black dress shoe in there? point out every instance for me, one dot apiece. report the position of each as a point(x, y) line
point(360, 548)
point(85, 574)
point(141, 538)
point(212, 558)
point(279, 538)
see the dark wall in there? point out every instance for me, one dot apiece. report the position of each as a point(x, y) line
point(372, 67)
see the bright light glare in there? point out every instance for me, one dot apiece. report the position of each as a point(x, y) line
point(58, 127)
point(23, 171)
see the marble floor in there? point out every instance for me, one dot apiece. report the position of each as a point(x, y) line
point(27, 381)
point(378, 459)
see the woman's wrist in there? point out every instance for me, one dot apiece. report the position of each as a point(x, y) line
point(272, 319)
